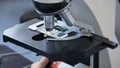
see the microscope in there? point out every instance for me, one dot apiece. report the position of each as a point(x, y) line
point(52, 27)
point(60, 38)
point(65, 40)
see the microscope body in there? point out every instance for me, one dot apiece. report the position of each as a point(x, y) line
point(50, 25)
point(48, 9)
point(62, 35)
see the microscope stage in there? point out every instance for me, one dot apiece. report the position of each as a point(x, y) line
point(61, 30)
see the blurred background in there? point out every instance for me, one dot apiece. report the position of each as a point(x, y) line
point(11, 13)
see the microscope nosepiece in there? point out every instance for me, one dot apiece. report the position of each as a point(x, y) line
point(49, 1)
point(49, 6)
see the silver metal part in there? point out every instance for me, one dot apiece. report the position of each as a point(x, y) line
point(49, 22)
point(61, 33)
point(68, 17)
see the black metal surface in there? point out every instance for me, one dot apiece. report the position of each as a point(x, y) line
point(105, 41)
point(71, 52)
point(96, 60)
